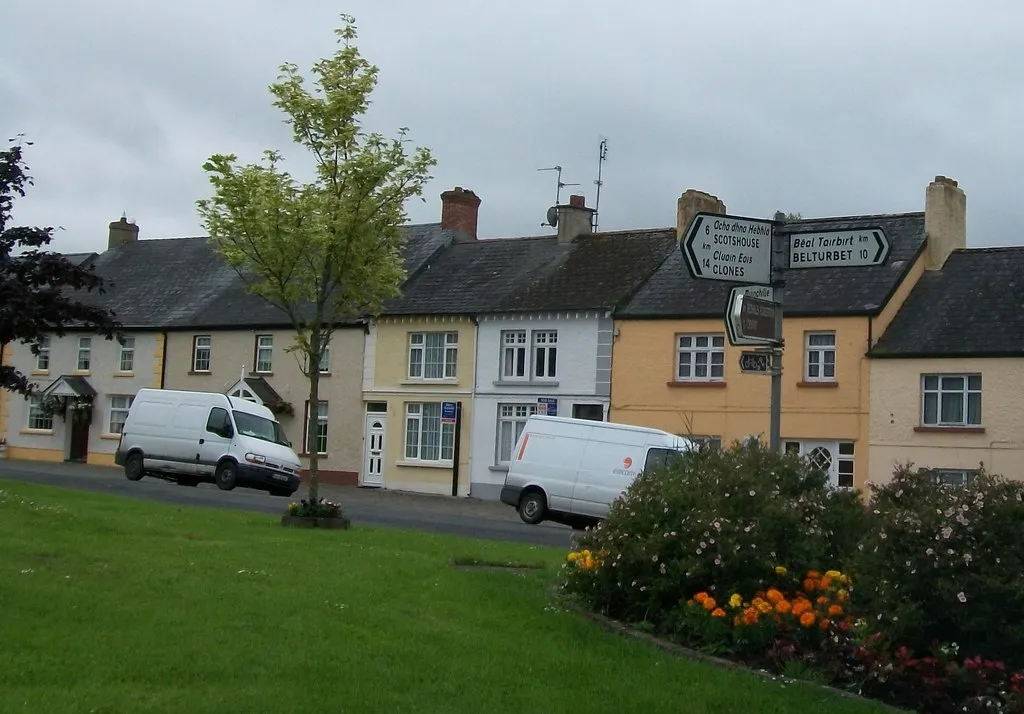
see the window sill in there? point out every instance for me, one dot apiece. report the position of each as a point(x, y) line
point(111, 437)
point(525, 383)
point(498, 468)
point(426, 464)
point(82, 373)
point(949, 429)
point(124, 374)
point(824, 384)
point(717, 384)
point(36, 432)
point(202, 373)
point(428, 382)
point(261, 374)
point(324, 374)
point(39, 373)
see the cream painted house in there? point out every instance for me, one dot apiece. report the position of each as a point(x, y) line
point(947, 377)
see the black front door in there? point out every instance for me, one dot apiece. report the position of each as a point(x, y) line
point(79, 449)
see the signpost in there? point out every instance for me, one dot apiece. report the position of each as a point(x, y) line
point(750, 320)
point(729, 248)
point(838, 249)
point(745, 250)
point(756, 362)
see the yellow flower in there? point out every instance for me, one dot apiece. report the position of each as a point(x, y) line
point(834, 574)
point(842, 595)
point(736, 600)
point(780, 570)
point(573, 557)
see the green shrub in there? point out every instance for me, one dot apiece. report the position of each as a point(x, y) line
point(719, 522)
point(945, 563)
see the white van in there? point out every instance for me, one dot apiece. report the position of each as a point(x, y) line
point(192, 437)
point(571, 470)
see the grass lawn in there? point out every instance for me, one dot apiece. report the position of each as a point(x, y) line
point(115, 605)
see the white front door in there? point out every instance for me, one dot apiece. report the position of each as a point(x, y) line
point(373, 450)
point(822, 454)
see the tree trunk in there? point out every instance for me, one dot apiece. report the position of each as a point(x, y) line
point(312, 422)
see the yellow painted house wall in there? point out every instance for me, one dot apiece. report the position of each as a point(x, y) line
point(898, 437)
point(386, 379)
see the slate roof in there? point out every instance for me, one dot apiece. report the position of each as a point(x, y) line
point(972, 307)
point(513, 275)
point(77, 384)
point(673, 293)
point(183, 283)
point(82, 259)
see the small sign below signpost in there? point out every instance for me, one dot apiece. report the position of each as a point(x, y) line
point(729, 248)
point(751, 321)
point(839, 249)
point(756, 362)
point(762, 292)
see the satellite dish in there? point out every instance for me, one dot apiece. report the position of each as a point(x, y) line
point(553, 216)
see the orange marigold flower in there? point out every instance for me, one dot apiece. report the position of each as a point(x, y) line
point(801, 606)
point(822, 600)
point(813, 574)
point(807, 619)
point(709, 603)
point(825, 583)
point(834, 610)
point(775, 596)
point(782, 606)
point(810, 585)
point(700, 597)
point(824, 623)
point(762, 605)
point(718, 612)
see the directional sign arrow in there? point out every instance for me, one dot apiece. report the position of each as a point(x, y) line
point(733, 316)
point(728, 248)
point(839, 249)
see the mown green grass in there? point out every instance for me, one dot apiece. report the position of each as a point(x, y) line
point(115, 605)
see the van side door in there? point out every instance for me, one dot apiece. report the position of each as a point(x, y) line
point(214, 441)
point(606, 471)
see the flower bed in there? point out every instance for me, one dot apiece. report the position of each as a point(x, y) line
point(749, 555)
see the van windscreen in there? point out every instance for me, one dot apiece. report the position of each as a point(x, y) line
point(259, 428)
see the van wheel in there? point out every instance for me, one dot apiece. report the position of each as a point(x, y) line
point(226, 476)
point(531, 507)
point(133, 467)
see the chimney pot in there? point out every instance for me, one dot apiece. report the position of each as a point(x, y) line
point(945, 221)
point(122, 231)
point(460, 212)
point(577, 200)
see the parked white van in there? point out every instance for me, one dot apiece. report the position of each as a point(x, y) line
point(571, 470)
point(193, 437)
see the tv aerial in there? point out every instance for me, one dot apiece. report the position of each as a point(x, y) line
point(552, 214)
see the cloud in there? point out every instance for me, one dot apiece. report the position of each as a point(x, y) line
point(829, 109)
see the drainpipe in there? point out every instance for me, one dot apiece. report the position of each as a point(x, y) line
point(472, 395)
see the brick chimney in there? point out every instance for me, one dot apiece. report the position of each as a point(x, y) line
point(460, 211)
point(122, 231)
point(690, 204)
point(945, 220)
point(574, 219)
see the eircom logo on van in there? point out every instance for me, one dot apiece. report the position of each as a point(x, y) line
point(626, 470)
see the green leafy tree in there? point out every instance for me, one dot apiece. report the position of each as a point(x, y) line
point(328, 250)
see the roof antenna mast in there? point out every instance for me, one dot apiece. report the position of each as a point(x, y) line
point(602, 154)
point(553, 212)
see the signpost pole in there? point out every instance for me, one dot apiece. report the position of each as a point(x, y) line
point(778, 289)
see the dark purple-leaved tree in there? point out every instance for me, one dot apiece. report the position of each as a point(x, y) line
point(40, 290)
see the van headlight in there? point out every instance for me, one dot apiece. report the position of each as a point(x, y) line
point(255, 458)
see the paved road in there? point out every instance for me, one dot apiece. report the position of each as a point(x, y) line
point(441, 514)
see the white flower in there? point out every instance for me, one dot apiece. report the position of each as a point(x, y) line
point(961, 596)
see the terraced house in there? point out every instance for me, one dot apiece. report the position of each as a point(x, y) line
point(948, 375)
point(673, 369)
point(505, 328)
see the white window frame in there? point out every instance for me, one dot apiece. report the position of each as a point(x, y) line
point(939, 390)
point(117, 407)
point(515, 354)
point(43, 358)
point(511, 415)
point(446, 343)
point(325, 359)
point(415, 416)
point(954, 477)
point(545, 354)
point(126, 355)
point(845, 457)
point(206, 350)
point(84, 355)
point(34, 413)
point(321, 422)
point(263, 360)
point(689, 347)
point(816, 356)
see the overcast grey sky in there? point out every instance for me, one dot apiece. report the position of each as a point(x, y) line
point(823, 108)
